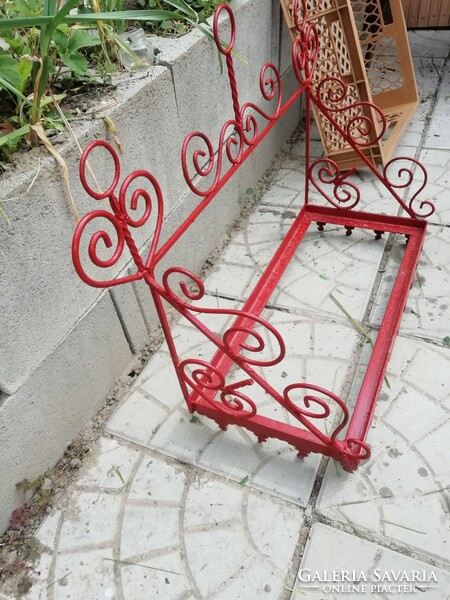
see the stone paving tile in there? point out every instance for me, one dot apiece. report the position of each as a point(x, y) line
point(156, 538)
point(437, 164)
point(431, 43)
point(82, 528)
point(286, 196)
point(327, 263)
point(427, 312)
point(401, 494)
point(428, 72)
point(141, 419)
point(367, 566)
point(437, 136)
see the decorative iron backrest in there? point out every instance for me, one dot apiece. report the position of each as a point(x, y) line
point(363, 124)
point(237, 139)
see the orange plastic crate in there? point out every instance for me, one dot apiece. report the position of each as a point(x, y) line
point(365, 44)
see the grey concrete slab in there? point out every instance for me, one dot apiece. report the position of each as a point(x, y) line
point(362, 569)
point(429, 43)
point(190, 515)
point(39, 421)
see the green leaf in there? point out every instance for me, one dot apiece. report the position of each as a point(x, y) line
point(61, 40)
point(243, 481)
point(25, 485)
point(16, 46)
point(196, 420)
point(9, 69)
point(24, 67)
point(50, 99)
point(49, 7)
point(82, 39)
point(52, 124)
point(119, 474)
point(21, 22)
point(76, 62)
point(4, 215)
point(22, 7)
point(7, 86)
point(447, 340)
point(65, 28)
point(126, 15)
point(119, 15)
point(182, 6)
point(56, 19)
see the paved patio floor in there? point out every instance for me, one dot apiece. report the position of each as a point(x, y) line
point(167, 507)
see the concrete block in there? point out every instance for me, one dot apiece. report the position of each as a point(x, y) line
point(42, 297)
point(64, 343)
point(276, 32)
point(202, 92)
point(46, 414)
point(146, 306)
point(130, 315)
point(285, 47)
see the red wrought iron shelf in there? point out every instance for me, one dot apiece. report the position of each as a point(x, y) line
point(207, 386)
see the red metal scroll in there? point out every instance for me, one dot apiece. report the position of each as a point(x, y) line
point(250, 344)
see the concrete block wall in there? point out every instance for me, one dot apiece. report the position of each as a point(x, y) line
point(63, 344)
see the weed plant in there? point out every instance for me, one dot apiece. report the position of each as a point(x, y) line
point(50, 47)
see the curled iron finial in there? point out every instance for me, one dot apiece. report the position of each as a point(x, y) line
point(224, 49)
point(300, 24)
point(203, 163)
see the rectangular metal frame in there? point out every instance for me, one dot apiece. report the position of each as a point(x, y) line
point(359, 424)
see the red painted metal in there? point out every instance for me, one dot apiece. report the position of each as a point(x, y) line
point(244, 344)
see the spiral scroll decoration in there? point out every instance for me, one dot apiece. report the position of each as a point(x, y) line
point(200, 160)
point(121, 219)
point(361, 127)
point(315, 407)
point(407, 177)
point(326, 172)
point(360, 123)
point(233, 340)
point(305, 48)
point(203, 158)
point(205, 376)
point(270, 88)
